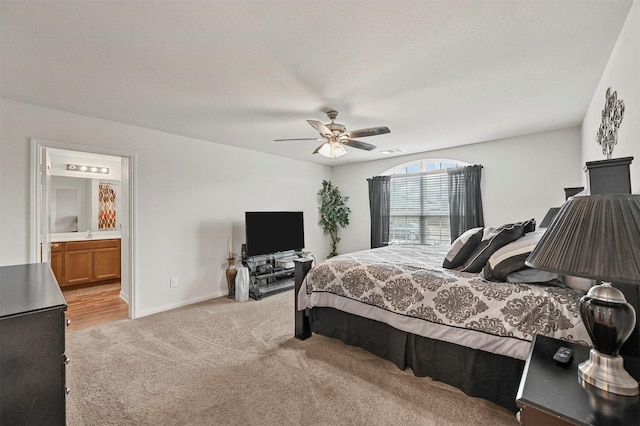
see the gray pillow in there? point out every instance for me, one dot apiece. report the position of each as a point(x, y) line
point(462, 247)
point(529, 225)
point(536, 276)
point(495, 240)
point(511, 257)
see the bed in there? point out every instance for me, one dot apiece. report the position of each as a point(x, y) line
point(400, 303)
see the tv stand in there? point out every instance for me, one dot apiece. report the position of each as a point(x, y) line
point(267, 277)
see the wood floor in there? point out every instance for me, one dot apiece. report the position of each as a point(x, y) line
point(95, 304)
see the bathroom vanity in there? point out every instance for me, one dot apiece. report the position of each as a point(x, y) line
point(83, 261)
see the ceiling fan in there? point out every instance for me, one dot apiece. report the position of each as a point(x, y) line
point(334, 135)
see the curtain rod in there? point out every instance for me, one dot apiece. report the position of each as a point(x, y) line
point(425, 172)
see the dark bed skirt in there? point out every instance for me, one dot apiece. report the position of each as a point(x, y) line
point(477, 373)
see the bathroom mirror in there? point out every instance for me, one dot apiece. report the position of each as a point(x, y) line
point(65, 210)
point(83, 204)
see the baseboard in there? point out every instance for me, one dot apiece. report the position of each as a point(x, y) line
point(157, 310)
point(124, 296)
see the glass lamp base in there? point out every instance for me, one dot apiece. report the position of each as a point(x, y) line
point(607, 372)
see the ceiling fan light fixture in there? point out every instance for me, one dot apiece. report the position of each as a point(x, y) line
point(335, 135)
point(332, 150)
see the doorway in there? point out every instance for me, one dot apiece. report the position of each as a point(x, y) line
point(81, 175)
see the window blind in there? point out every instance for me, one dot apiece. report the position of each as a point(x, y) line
point(419, 208)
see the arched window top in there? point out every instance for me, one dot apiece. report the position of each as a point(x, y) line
point(424, 165)
point(419, 201)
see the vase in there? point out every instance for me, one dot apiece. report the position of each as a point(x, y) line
point(242, 284)
point(231, 277)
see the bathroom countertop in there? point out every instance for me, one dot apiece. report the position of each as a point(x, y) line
point(82, 236)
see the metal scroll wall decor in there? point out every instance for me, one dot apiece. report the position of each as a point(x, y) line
point(612, 114)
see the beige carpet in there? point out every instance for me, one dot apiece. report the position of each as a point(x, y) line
point(226, 363)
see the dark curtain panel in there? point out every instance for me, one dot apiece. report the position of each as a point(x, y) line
point(465, 199)
point(380, 207)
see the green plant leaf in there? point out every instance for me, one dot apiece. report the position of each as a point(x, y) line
point(334, 212)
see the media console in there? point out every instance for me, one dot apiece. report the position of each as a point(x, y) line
point(272, 273)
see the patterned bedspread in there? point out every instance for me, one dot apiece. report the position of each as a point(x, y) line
point(406, 286)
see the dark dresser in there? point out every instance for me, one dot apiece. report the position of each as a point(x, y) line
point(32, 359)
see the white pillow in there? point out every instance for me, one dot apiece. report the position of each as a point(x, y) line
point(511, 257)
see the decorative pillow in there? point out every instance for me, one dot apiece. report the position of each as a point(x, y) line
point(462, 247)
point(487, 230)
point(529, 225)
point(495, 240)
point(536, 276)
point(511, 257)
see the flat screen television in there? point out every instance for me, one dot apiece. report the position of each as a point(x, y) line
point(273, 232)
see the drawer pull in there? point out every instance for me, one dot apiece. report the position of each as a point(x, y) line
point(55, 245)
point(68, 322)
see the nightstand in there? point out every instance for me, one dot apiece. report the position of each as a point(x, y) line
point(550, 394)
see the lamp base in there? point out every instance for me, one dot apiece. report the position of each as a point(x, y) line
point(607, 372)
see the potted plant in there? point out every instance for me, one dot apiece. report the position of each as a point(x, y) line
point(334, 213)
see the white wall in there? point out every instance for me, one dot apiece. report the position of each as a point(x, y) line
point(622, 74)
point(522, 178)
point(188, 194)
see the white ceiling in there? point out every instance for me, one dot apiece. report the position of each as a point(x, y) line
point(437, 73)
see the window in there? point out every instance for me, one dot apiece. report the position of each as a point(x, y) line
point(420, 202)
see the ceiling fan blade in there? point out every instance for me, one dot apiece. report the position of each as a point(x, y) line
point(297, 139)
point(324, 130)
point(369, 131)
point(318, 148)
point(357, 144)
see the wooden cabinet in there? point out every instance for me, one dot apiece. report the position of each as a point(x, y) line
point(77, 266)
point(32, 342)
point(56, 260)
point(106, 263)
point(81, 262)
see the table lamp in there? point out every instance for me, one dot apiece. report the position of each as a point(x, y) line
point(598, 237)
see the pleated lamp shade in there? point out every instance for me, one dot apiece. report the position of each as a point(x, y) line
point(596, 237)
